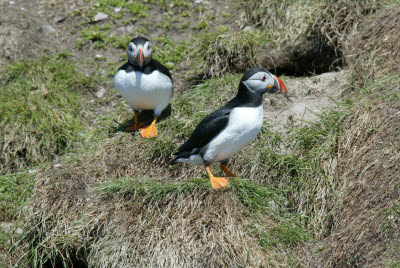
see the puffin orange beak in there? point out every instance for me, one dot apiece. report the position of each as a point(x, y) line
point(282, 87)
point(140, 57)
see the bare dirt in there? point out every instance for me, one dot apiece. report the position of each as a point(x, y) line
point(307, 98)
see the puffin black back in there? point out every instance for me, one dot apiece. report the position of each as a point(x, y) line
point(154, 65)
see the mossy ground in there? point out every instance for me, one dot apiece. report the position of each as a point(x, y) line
point(77, 190)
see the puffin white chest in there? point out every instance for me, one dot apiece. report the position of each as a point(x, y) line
point(144, 91)
point(243, 126)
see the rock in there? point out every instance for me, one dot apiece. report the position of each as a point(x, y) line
point(248, 29)
point(299, 108)
point(19, 231)
point(117, 10)
point(47, 28)
point(126, 29)
point(100, 93)
point(58, 19)
point(100, 16)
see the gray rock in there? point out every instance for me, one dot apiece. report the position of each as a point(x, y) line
point(58, 19)
point(100, 93)
point(100, 16)
point(248, 29)
point(126, 29)
point(47, 28)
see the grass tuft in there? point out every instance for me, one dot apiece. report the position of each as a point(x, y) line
point(41, 110)
point(222, 52)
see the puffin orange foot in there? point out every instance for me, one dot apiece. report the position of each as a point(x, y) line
point(134, 127)
point(148, 132)
point(219, 182)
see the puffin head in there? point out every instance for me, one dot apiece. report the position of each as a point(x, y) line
point(140, 51)
point(259, 81)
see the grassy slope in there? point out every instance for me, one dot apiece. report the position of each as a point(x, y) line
point(106, 194)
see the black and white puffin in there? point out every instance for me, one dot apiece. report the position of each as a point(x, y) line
point(144, 83)
point(230, 128)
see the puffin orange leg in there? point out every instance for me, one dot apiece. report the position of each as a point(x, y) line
point(216, 182)
point(137, 124)
point(149, 131)
point(227, 171)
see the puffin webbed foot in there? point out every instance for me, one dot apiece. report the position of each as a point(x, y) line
point(217, 182)
point(148, 132)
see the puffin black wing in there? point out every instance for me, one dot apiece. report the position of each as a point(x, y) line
point(155, 65)
point(205, 131)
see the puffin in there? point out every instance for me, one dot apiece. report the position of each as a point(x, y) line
point(144, 83)
point(229, 129)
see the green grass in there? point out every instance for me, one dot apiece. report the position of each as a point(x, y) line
point(15, 190)
point(168, 52)
point(286, 233)
point(42, 112)
point(394, 264)
point(148, 189)
point(256, 198)
point(391, 221)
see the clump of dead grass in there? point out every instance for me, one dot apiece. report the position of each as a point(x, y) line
point(133, 221)
point(366, 218)
point(336, 20)
point(286, 21)
point(374, 49)
point(308, 36)
point(222, 52)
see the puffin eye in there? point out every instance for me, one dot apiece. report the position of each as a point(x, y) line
point(263, 79)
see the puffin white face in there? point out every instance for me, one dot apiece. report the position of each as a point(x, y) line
point(263, 82)
point(139, 54)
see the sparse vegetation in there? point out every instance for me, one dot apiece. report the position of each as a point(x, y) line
point(77, 191)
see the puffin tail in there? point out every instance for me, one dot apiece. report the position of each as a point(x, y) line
point(180, 155)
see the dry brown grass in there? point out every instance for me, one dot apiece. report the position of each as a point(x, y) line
point(198, 227)
point(375, 49)
point(367, 216)
point(217, 53)
point(307, 36)
point(336, 20)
